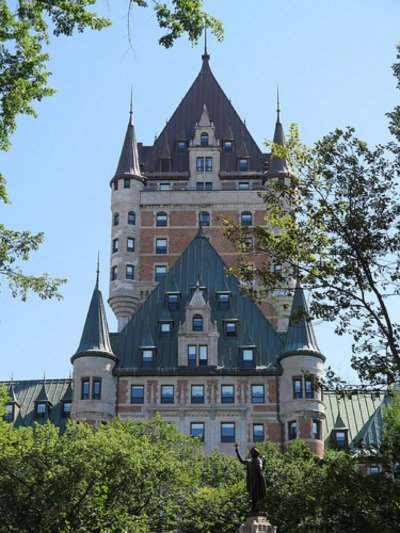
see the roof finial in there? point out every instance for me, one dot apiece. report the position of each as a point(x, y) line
point(97, 271)
point(278, 110)
point(206, 55)
point(131, 108)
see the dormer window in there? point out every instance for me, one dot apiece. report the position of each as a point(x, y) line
point(228, 146)
point(230, 328)
point(10, 412)
point(40, 410)
point(339, 438)
point(223, 300)
point(165, 329)
point(248, 357)
point(181, 147)
point(147, 357)
point(243, 165)
point(173, 301)
point(66, 409)
point(204, 139)
point(197, 323)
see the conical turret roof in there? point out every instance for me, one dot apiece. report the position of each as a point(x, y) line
point(95, 338)
point(278, 166)
point(129, 164)
point(300, 338)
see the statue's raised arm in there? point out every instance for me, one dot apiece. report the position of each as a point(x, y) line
point(255, 479)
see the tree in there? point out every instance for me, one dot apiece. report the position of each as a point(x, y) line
point(334, 224)
point(25, 28)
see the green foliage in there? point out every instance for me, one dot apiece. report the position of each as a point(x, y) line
point(334, 224)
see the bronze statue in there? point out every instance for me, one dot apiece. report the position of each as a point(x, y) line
point(255, 479)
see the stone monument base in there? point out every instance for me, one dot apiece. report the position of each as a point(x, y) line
point(257, 523)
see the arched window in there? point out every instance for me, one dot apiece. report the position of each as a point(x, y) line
point(204, 139)
point(246, 218)
point(197, 323)
point(116, 219)
point(131, 218)
point(161, 219)
point(204, 218)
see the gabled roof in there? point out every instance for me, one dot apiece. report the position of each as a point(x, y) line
point(199, 261)
point(300, 338)
point(95, 338)
point(205, 91)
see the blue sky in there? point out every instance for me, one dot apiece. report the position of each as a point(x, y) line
point(332, 61)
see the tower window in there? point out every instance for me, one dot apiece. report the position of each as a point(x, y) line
point(297, 388)
point(257, 394)
point(137, 393)
point(308, 388)
point(130, 272)
point(160, 272)
point(197, 323)
point(167, 394)
point(203, 355)
point(131, 218)
point(200, 164)
point(161, 246)
point(115, 185)
point(227, 432)
point(316, 429)
point(243, 165)
point(161, 219)
point(197, 430)
point(246, 218)
point(292, 430)
point(258, 432)
point(227, 394)
point(113, 274)
point(204, 218)
point(248, 357)
point(130, 244)
point(127, 183)
point(85, 389)
point(197, 395)
point(209, 164)
point(114, 246)
point(116, 219)
point(204, 139)
point(96, 389)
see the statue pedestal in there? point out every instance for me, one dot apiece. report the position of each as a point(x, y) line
point(257, 524)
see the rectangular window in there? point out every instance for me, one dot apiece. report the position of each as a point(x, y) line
point(308, 388)
point(209, 164)
point(85, 389)
point(165, 330)
point(130, 272)
point(127, 183)
point(197, 430)
point(257, 394)
point(66, 409)
point(258, 432)
point(228, 146)
point(137, 393)
point(96, 389)
point(191, 351)
point(292, 430)
point(197, 395)
point(160, 272)
point(231, 329)
point(113, 274)
point(209, 186)
point(223, 301)
point(374, 470)
point(316, 429)
point(115, 185)
point(203, 355)
point(161, 246)
point(165, 186)
point(297, 388)
point(200, 164)
point(167, 394)
point(340, 439)
point(114, 246)
point(227, 394)
point(172, 301)
point(204, 218)
point(131, 218)
point(248, 357)
point(244, 186)
point(227, 432)
point(130, 244)
point(9, 416)
point(161, 220)
point(40, 410)
point(147, 358)
point(243, 165)
point(181, 147)
point(199, 186)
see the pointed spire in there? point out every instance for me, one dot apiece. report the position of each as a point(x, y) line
point(97, 271)
point(278, 166)
point(95, 338)
point(205, 56)
point(300, 338)
point(129, 164)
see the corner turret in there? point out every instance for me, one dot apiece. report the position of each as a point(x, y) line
point(278, 166)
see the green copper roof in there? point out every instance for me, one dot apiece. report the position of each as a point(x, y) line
point(360, 414)
point(300, 338)
point(198, 266)
point(95, 337)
